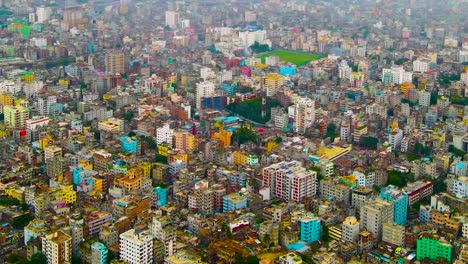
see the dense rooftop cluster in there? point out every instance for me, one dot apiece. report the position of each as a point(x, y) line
point(267, 131)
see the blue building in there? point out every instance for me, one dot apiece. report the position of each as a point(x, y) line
point(129, 144)
point(309, 228)
point(288, 70)
point(230, 88)
point(78, 175)
point(161, 196)
point(99, 253)
point(400, 203)
point(233, 202)
point(55, 110)
point(215, 102)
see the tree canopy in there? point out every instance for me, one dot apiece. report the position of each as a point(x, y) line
point(244, 134)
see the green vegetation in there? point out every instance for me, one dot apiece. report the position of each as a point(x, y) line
point(252, 109)
point(407, 101)
point(8, 201)
point(401, 61)
point(447, 79)
point(131, 134)
point(457, 152)
point(331, 131)
point(294, 57)
point(21, 221)
point(420, 150)
point(259, 48)
point(129, 115)
point(161, 159)
point(369, 142)
point(396, 178)
point(325, 234)
point(245, 89)
point(434, 96)
point(458, 100)
point(243, 135)
point(151, 142)
point(317, 170)
point(2, 116)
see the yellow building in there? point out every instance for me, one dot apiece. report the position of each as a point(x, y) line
point(27, 77)
point(223, 136)
point(240, 158)
point(98, 184)
point(333, 152)
point(172, 78)
point(145, 168)
point(406, 87)
point(273, 82)
point(85, 164)
point(177, 154)
point(184, 140)
point(443, 218)
point(57, 247)
point(15, 192)
point(67, 194)
point(130, 182)
point(5, 99)
point(271, 145)
point(163, 149)
point(15, 116)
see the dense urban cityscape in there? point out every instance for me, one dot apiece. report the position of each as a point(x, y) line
point(237, 131)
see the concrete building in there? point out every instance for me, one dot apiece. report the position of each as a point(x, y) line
point(290, 181)
point(136, 246)
point(115, 62)
point(331, 190)
point(310, 228)
point(396, 75)
point(374, 214)
point(304, 114)
point(424, 98)
point(99, 253)
point(162, 229)
point(393, 234)
point(400, 203)
point(273, 83)
point(433, 247)
point(204, 89)
point(57, 247)
point(234, 201)
point(172, 19)
point(15, 116)
point(350, 229)
point(164, 134)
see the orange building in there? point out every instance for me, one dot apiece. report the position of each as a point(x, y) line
point(223, 136)
point(406, 87)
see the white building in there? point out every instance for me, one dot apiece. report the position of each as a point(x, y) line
point(248, 37)
point(350, 229)
point(57, 247)
point(344, 70)
point(304, 114)
point(460, 187)
point(345, 132)
point(163, 230)
point(395, 138)
point(393, 234)
point(465, 230)
point(172, 19)
point(136, 246)
point(374, 214)
point(43, 14)
point(396, 75)
point(421, 65)
point(366, 180)
point(424, 98)
point(164, 134)
point(204, 89)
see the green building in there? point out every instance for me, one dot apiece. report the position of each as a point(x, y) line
point(432, 248)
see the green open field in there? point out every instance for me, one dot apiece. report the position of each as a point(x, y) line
point(295, 57)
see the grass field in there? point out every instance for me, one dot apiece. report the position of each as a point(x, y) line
point(294, 57)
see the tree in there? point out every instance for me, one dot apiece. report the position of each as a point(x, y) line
point(266, 240)
point(75, 259)
point(131, 134)
point(97, 136)
point(2, 116)
point(23, 220)
point(252, 109)
point(390, 112)
point(259, 48)
point(331, 131)
point(16, 259)
point(129, 115)
point(252, 260)
point(396, 178)
point(38, 258)
point(434, 96)
point(325, 234)
point(368, 142)
point(244, 134)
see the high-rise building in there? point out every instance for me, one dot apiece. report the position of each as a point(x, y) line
point(304, 115)
point(115, 62)
point(43, 13)
point(424, 98)
point(234, 201)
point(162, 229)
point(172, 19)
point(432, 247)
point(393, 234)
point(136, 246)
point(290, 181)
point(273, 83)
point(76, 224)
point(350, 229)
point(310, 228)
point(35, 228)
point(15, 116)
point(396, 75)
point(99, 253)
point(400, 203)
point(374, 214)
point(421, 65)
point(57, 248)
point(164, 134)
point(204, 89)
point(184, 140)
